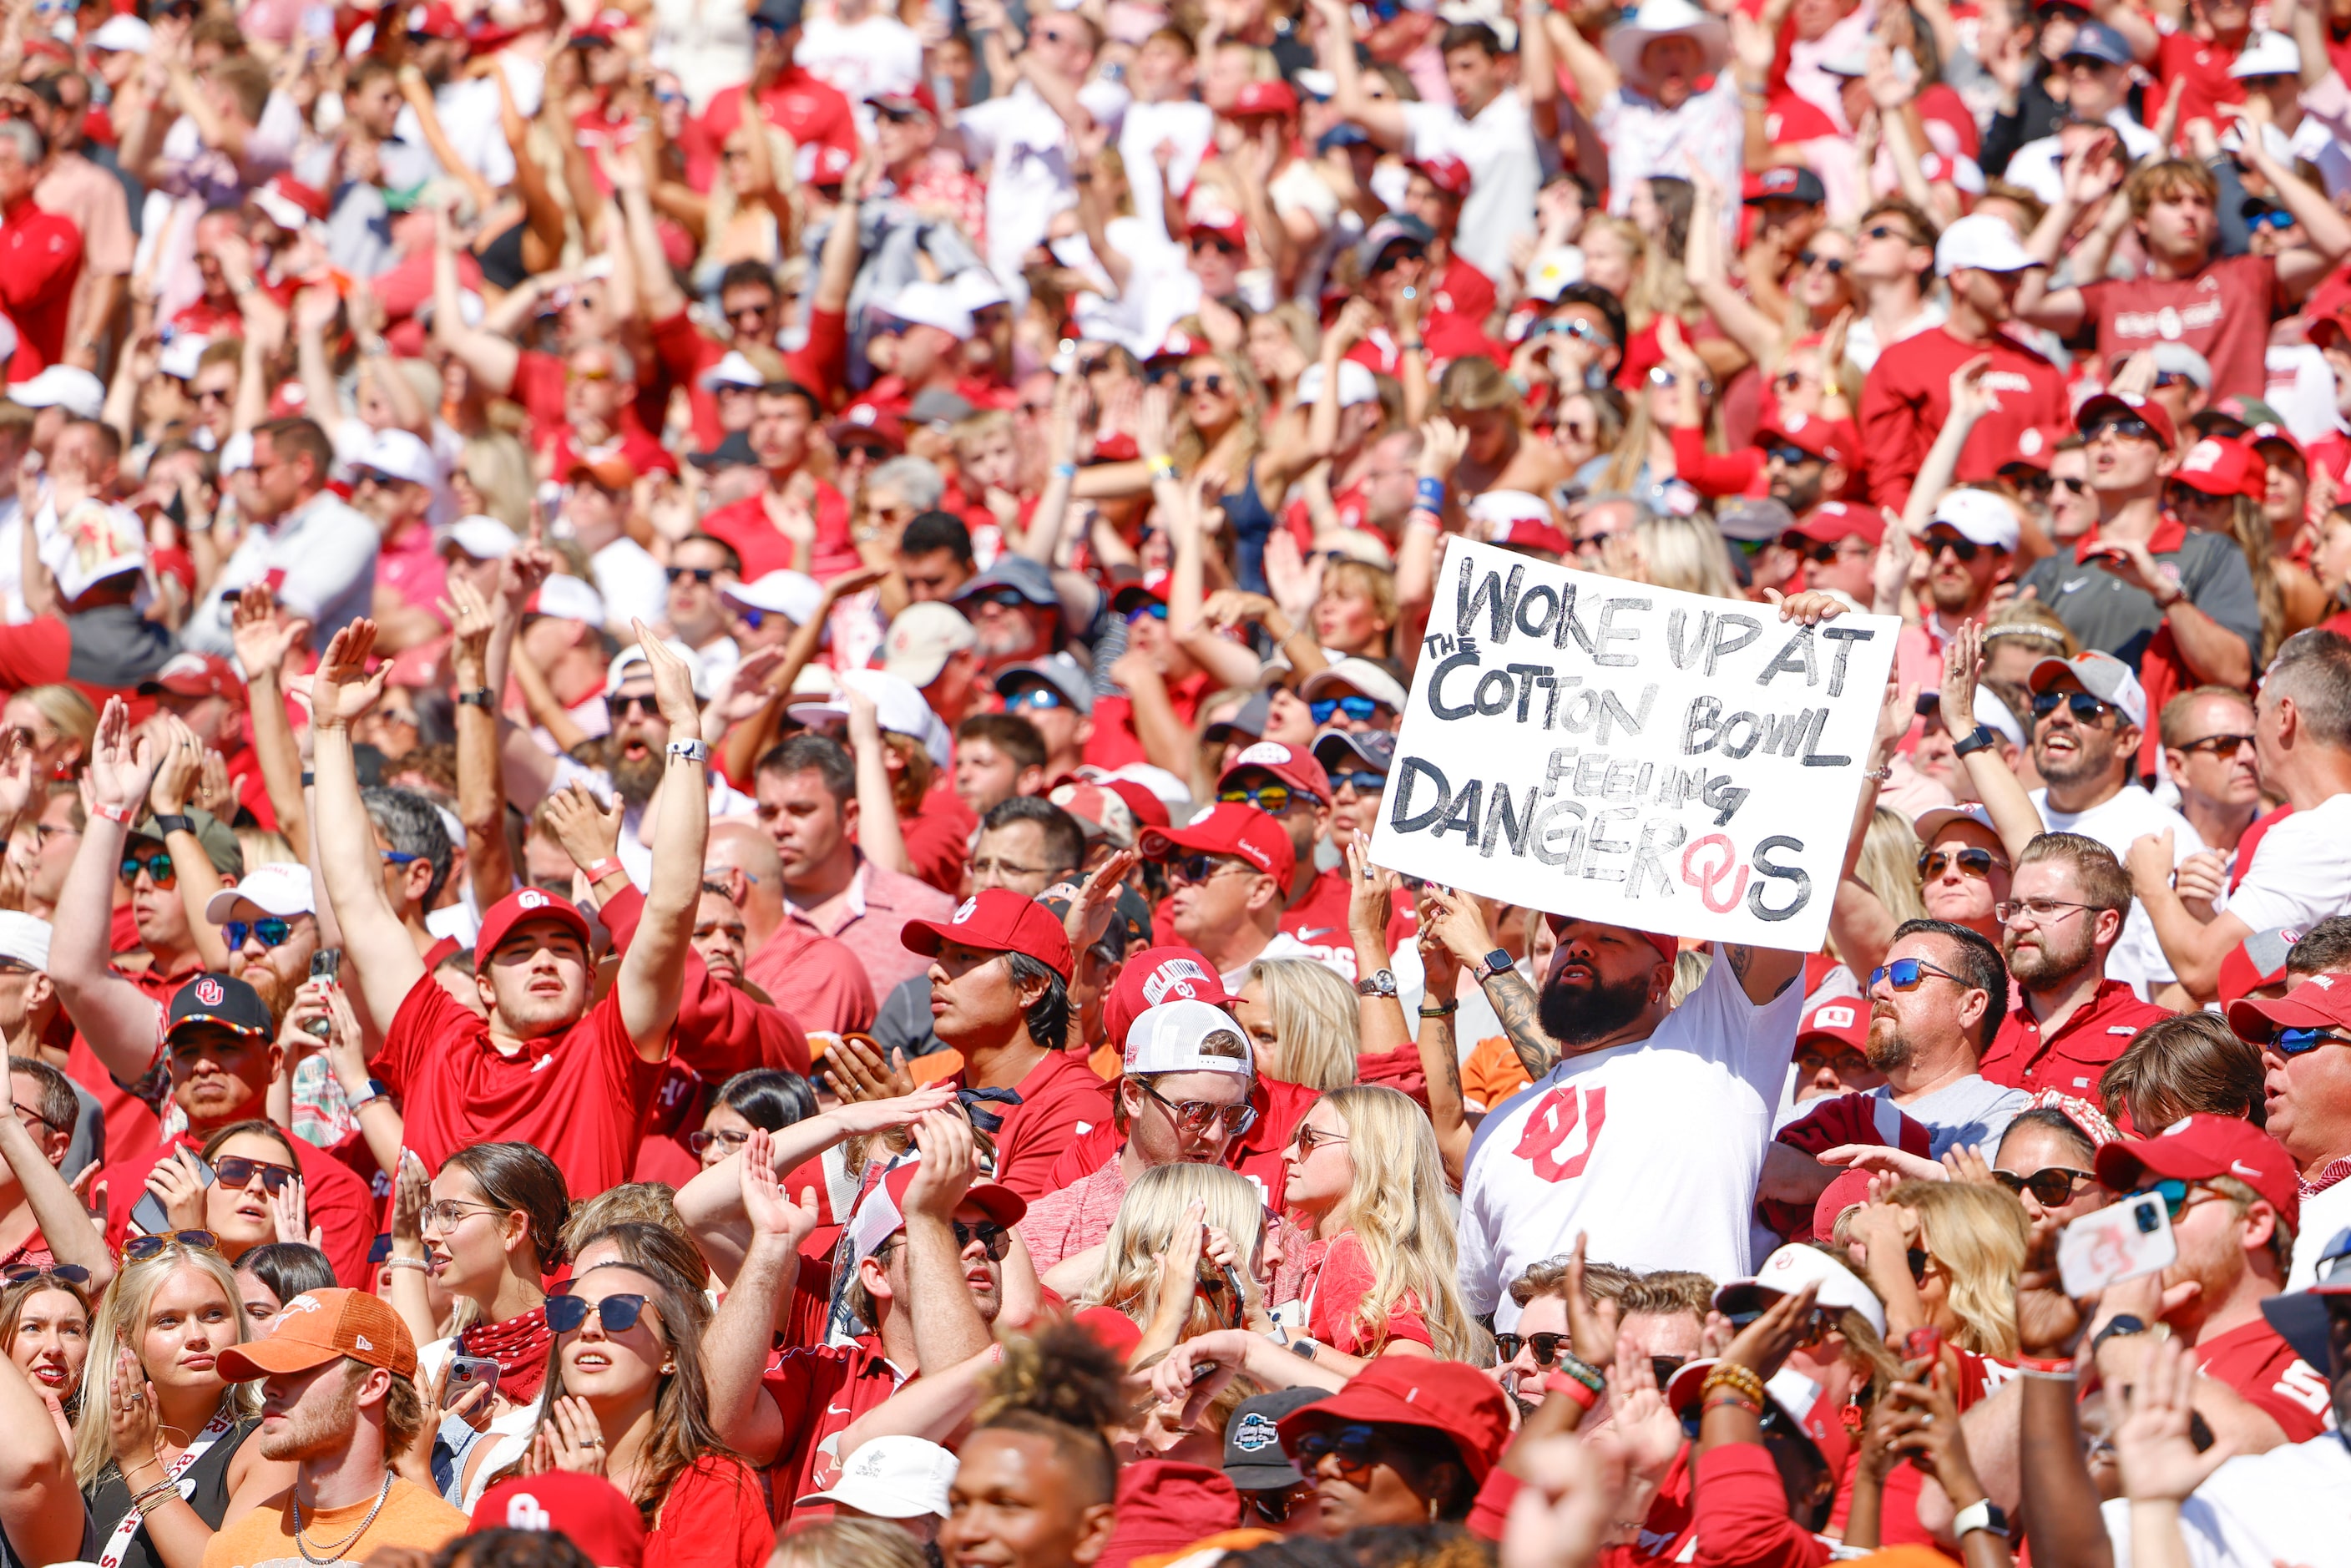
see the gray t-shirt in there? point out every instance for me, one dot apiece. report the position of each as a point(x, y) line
point(1973, 1110)
point(2104, 611)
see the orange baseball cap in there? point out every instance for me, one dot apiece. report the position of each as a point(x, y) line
point(321, 1326)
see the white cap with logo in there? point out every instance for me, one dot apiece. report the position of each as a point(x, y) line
point(1187, 1037)
point(894, 1477)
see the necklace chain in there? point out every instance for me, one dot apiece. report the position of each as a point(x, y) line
point(335, 1553)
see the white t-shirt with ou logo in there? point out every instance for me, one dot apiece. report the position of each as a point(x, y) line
point(1652, 1150)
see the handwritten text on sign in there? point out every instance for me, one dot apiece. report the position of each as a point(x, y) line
point(1592, 747)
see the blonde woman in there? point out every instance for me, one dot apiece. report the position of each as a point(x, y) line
point(58, 721)
point(1672, 551)
point(1946, 1255)
point(492, 479)
point(1301, 1019)
point(1175, 1226)
point(155, 1410)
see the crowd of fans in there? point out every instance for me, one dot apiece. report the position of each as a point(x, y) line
point(695, 698)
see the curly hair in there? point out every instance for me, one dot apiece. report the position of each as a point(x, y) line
point(1062, 1385)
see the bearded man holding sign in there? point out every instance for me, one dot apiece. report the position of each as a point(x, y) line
point(1647, 1133)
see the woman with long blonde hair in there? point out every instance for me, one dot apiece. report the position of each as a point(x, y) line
point(154, 1410)
point(1154, 1227)
point(1301, 1024)
point(1672, 551)
point(1946, 1255)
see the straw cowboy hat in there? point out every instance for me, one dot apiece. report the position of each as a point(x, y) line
point(1666, 19)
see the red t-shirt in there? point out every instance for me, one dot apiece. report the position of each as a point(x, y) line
point(1344, 1279)
point(685, 352)
point(2222, 312)
point(814, 979)
point(1114, 742)
point(743, 524)
point(1907, 399)
point(2198, 69)
point(801, 104)
point(2256, 1361)
point(819, 1392)
point(1463, 294)
point(1320, 920)
point(582, 1095)
point(1060, 1101)
point(713, 1516)
point(538, 382)
point(2082, 1047)
point(339, 1204)
point(40, 257)
point(938, 835)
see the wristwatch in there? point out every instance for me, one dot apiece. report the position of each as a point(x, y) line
point(1497, 962)
point(1977, 739)
point(2120, 1326)
point(1302, 1346)
point(479, 697)
point(1981, 1514)
point(1381, 984)
point(170, 823)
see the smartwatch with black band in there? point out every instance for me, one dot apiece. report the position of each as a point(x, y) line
point(1977, 739)
point(168, 823)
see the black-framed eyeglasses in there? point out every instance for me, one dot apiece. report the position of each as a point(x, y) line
point(1363, 710)
point(1200, 866)
point(2084, 707)
point(28, 1111)
point(139, 1248)
point(1888, 231)
point(2044, 911)
point(701, 574)
point(272, 931)
point(1362, 780)
point(1544, 1345)
point(1908, 973)
point(2219, 744)
point(158, 867)
point(235, 1171)
point(2052, 1186)
point(1272, 799)
point(1974, 863)
point(71, 1273)
point(619, 1314)
point(1204, 1116)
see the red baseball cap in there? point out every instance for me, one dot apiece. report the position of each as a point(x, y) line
point(2322, 1002)
point(436, 20)
point(2219, 465)
point(195, 675)
point(1850, 1190)
point(1149, 810)
point(1845, 1019)
point(593, 1513)
point(1833, 440)
point(997, 920)
point(881, 1212)
point(1669, 945)
point(1166, 1505)
point(602, 27)
point(1831, 521)
point(2157, 417)
point(1450, 1397)
point(1230, 829)
point(1159, 975)
point(1292, 765)
point(920, 98)
point(525, 904)
point(2200, 1147)
point(2264, 434)
point(1446, 173)
point(1264, 98)
point(321, 1326)
point(1526, 533)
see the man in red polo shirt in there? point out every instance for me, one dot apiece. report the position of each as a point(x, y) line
point(999, 994)
point(548, 1065)
point(2067, 898)
point(924, 1222)
point(40, 256)
point(2234, 1207)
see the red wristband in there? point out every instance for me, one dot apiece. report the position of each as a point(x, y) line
point(2045, 1362)
point(1560, 1383)
point(120, 815)
point(603, 868)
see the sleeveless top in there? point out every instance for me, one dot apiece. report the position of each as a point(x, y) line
point(107, 1498)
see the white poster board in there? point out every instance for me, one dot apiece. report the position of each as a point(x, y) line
point(1587, 746)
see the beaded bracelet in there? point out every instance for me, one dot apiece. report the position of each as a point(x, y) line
point(1731, 1374)
point(1583, 1370)
point(1729, 1398)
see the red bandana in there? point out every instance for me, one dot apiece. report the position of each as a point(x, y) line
point(519, 1346)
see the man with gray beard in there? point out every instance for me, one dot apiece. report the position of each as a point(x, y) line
point(2067, 900)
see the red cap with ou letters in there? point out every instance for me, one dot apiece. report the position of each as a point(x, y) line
point(881, 1212)
point(1232, 828)
point(1157, 975)
point(1831, 440)
point(1293, 766)
point(525, 904)
point(590, 1511)
point(1842, 1018)
point(2322, 1002)
point(2217, 465)
point(997, 920)
point(2200, 1147)
point(1446, 173)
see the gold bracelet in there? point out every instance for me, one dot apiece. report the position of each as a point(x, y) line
point(1730, 1374)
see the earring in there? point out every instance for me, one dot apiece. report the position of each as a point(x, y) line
point(1432, 1511)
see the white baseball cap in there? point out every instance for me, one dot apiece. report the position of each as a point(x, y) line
point(631, 664)
point(794, 595)
point(76, 391)
point(281, 888)
point(94, 541)
point(897, 706)
point(399, 455)
point(1499, 509)
point(1981, 517)
point(569, 598)
point(481, 538)
point(24, 938)
point(123, 36)
point(1789, 1270)
point(922, 639)
point(1355, 385)
point(923, 304)
point(1361, 673)
point(1983, 242)
point(976, 288)
point(1172, 1038)
point(2267, 54)
point(180, 356)
point(735, 370)
point(894, 1477)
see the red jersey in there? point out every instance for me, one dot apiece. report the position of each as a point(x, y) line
point(684, 352)
point(1462, 294)
point(801, 104)
point(339, 1204)
point(582, 1095)
point(814, 979)
point(2256, 1361)
point(2222, 312)
point(744, 525)
point(819, 1392)
point(1060, 1101)
point(1907, 399)
point(1340, 1286)
point(40, 257)
point(2070, 1059)
point(1114, 742)
point(713, 1515)
point(1320, 920)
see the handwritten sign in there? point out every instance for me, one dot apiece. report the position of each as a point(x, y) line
point(1591, 746)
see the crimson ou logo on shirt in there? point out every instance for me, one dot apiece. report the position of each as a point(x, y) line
point(1562, 1132)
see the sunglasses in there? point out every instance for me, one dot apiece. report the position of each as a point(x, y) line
point(1203, 1115)
point(1274, 1507)
point(235, 1171)
point(1790, 455)
point(701, 574)
point(2275, 218)
point(754, 619)
point(1351, 1446)
point(1545, 1345)
point(2125, 427)
point(1834, 265)
point(1200, 867)
point(2174, 1193)
point(1362, 781)
point(1965, 549)
point(2052, 1186)
point(1361, 709)
point(2219, 744)
point(1213, 383)
point(1977, 863)
point(1660, 376)
point(995, 1237)
point(1574, 327)
point(618, 1314)
point(272, 931)
point(2075, 487)
point(1888, 231)
point(1391, 259)
point(139, 1248)
point(1038, 697)
point(2297, 1041)
point(1218, 244)
point(1918, 1257)
point(1272, 799)
point(1308, 1139)
point(1153, 610)
point(1002, 598)
point(1907, 974)
point(621, 708)
point(2085, 708)
point(71, 1273)
point(158, 867)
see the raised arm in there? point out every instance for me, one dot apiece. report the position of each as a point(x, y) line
point(2326, 233)
point(2086, 181)
point(40, 1506)
point(175, 780)
point(481, 804)
point(1459, 920)
point(654, 967)
point(2013, 814)
point(487, 355)
point(1595, 75)
point(1383, 118)
point(122, 1026)
point(948, 1328)
point(737, 1346)
point(375, 944)
point(64, 1224)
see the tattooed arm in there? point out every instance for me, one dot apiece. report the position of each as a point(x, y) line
point(1459, 920)
point(1764, 972)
